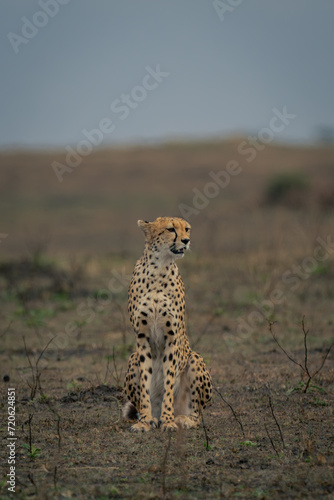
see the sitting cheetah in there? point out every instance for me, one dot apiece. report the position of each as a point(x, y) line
point(166, 382)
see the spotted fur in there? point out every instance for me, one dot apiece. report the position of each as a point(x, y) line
point(166, 383)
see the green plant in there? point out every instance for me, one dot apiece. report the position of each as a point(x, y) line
point(114, 492)
point(319, 402)
point(145, 478)
point(34, 317)
point(248, 443)
point(73, 385)
point(320, 269)
point(31, 450)
point(80, 323)
point(260, 493)
point(44, 398)
point(303, 387)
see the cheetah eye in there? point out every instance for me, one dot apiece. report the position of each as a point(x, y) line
point(171, 229)
point(187, 229)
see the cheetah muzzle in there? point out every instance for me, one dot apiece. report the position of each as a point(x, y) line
point(167, 384)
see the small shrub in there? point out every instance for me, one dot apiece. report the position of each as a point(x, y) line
point(287, 189)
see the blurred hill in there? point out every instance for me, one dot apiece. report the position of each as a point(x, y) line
point(95, 208)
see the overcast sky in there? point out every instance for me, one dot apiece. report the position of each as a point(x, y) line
point(161, 69)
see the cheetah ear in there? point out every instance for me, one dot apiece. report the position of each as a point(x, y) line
point(144, 225)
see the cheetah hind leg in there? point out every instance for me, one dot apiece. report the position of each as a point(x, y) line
point(194, 393)
point(187, 416)
point(130, 412)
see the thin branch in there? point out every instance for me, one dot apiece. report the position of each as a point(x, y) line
point(232, 410)
point(107, 371)
point(305, 368)
point(324, 360)
point(119, 407)
point(31, 416)
point(43, 351)
point(36, 374)
point(271, 323)
point(205, 431)
point(305, 332)
point(6, 330)
point(58, 432)
point(33, 387)
point(270, 439)
point(274, 417)
point(32, 480)
point(55, 479)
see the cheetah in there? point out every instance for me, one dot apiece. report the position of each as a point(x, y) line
point(167, 384)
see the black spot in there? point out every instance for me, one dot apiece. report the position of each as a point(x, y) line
point(142, 358)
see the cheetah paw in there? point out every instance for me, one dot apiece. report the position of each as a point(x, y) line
point(140, 427)
point(169, 426)
point(185, 422)
point(154, 423)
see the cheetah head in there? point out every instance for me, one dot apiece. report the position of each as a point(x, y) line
point(169, 236)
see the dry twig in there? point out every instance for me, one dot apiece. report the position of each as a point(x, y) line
point(207, 447)
point(270, 439)
point(232, 410)
point(36, 374)
point(304, 368)
point(164, 465)
point(6, 330)
point(274, 417)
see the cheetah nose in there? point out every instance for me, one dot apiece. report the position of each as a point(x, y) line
point(185, 240)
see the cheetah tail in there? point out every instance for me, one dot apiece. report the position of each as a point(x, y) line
point(130, 411)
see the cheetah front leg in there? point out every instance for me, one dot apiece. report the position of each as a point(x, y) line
point(169, 366)
point(144, 357)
